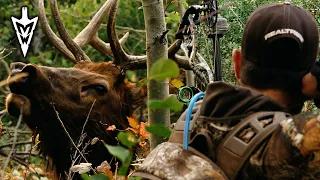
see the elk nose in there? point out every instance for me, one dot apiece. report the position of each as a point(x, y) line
point(19, 68)
point(16, 67)
point(27, 72)
point(30, 69)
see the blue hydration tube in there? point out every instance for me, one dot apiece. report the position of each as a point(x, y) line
point(188, 117)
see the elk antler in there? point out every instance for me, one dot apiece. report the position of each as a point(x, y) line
point(72, 49)
point(121, 58)
point(71, 45)
point(124, 60)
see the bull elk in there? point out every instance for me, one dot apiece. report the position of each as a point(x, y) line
point(84, 98)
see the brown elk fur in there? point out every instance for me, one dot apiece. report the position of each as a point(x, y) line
point(71, 92)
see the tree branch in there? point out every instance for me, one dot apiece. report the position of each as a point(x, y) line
point(17, 143)
point(13, 143)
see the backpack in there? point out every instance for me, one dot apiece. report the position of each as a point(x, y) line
point(214, 151)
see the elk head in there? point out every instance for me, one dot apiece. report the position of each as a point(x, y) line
point(61, 104)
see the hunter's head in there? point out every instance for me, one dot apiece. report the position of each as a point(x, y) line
point(279, 46)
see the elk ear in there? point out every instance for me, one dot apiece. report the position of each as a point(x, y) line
point(137, 94)
point(120, 78)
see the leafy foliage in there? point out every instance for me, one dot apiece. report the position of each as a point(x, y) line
point(170, 102)
point(128, 139)
point(129, 18)
point(163, 69)
point(160, 130)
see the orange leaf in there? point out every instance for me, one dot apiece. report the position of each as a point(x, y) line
point(111, 128)
point(133, 130)
point(132, 122)
point(105, 169)
point(142, 131)
point(143, 144)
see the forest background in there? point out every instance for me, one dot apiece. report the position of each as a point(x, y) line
point(76, 14)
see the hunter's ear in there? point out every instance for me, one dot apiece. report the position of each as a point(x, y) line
point(237, 61)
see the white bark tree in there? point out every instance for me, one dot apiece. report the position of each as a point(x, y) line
point(157, 48)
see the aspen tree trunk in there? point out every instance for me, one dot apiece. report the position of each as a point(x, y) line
point(157, 48)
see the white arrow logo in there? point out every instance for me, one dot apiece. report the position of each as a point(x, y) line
point(24, 29)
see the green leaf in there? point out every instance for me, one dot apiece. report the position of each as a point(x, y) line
point(143, 82)
point(131, 76)
point(123, 170)
point(128, 139)
point(135, 178)
point(184, 3)
point(167, 19)
point(174, 16)
point(120, 152)
point(33, 59)
point(85, 176)
point(94, 177)
point(159, 130)
point(170, 102)
point(164, 68)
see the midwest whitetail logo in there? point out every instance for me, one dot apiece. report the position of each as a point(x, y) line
point(24, 28)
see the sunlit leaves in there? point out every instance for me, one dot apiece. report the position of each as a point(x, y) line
point(123, 154)
point(139, 129)
point(163, 69)
point(104, 168)
point(160, 130)
point(173, 16)
point(176, 83)
point(120, 152)
point(184, 3)
point(170, 102)
point(131, 76)
point(132, 122)
point(127, 139)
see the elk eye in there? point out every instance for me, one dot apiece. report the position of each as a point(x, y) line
point(96, 89)
point(100, 89)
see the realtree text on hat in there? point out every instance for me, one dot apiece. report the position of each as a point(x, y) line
point(292, 28)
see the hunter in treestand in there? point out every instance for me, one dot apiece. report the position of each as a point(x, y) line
point(251, 131)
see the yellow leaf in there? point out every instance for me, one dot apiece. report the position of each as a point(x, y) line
point(1, 125)
point(132, 122)
point(37, 141)
point(177, 83)
point(94, 140)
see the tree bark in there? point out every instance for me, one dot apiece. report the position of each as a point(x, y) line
point(157, 48)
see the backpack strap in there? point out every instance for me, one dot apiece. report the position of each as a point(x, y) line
point(177, 133)
point(233, 152)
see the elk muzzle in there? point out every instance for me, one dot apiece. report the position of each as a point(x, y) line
point(25, 82)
